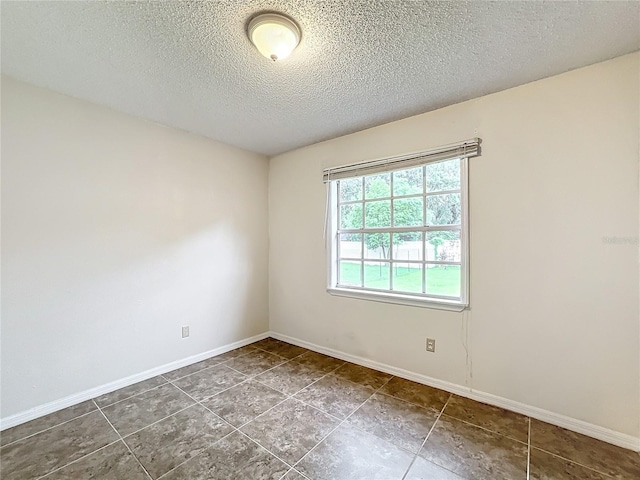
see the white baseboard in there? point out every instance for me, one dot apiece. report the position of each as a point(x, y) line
point(47, 408)
point(601, 433)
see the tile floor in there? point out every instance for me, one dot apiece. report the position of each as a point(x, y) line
point(273, 410)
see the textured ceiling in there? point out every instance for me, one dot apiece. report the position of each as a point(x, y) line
point(360, 63)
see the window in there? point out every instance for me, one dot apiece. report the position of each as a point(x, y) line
point(400, 234)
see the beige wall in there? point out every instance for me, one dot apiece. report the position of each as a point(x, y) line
point(115, 233)
point(554, 309)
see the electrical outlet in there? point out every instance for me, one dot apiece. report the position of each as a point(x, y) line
point(431, 345)
point(185, 331)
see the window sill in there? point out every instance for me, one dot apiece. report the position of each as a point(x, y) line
point(399, 299)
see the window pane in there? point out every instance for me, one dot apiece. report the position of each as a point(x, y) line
point(376, 275)
point(407, 182)
point(407, 277)
point(350, 189)
point(443, 175)
point(407, 212)
point(351, 216)
point(377, 186)
point(407, 246)
point(350, 273)
point(376, 245)
point(444, 246)
point(443, 280)
point(443, 209)
point(350, 245)
point(377, 214)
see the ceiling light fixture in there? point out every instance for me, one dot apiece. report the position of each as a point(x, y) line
point(274, 35)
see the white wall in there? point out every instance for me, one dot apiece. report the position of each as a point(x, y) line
point(115, 233)
point(554, 309)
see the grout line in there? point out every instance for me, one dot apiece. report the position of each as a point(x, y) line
point(184, 376)
point(206, 408)
point(158, 421)
point(287, 397)
point(170, 382)
point(122, 440)
point(191, 458)
point(290, 397)
point(267, 410)
point(197, 402)
point(293, 470)
point(272, 353)
point(79, 459)
point(574, 462)
point(130, 397)
point(260, 373)
point(192, 373)
point(417, 454)
point(290, 394)
point(48, 428)
point(413, 403)
point(224, 362)
point(410, 403)
point(529, 449)
point(233, 427)
point(231, 368)
point(265, 448)
point(342, 422)
point(485, 429)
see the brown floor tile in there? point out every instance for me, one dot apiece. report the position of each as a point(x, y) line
point(604, 457)
point(351, 454)
point(289, 351)
point(492, 418)
point(165, 445)
point(137, 412)
point(254, 363)
point(474, 453)
point(335, 396)
point(387, 419)
point(399, 422)
point(417, 393)
point(114, 462)
point(320, 362)
point(238, 352)
point(294, 475)
point(39, 424)
point(545, 466)
point(425, 470)
point(129, 391)
point(362, 375)
point(290, 429)
point(193, 368)
point(244, 402)
point(206, 383)
point(289, 377)
point(233, 457)
point(42, 453)
point(268, 344)
point(280, 348)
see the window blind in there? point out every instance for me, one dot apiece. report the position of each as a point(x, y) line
point(466, 149)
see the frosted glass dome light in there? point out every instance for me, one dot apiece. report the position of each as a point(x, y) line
point(275, 36)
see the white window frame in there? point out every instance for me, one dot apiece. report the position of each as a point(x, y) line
point(390, 296)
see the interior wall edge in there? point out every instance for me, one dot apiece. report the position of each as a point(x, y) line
point(595, 431)
point(70, 400)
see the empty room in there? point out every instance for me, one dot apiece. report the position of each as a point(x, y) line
point(320, 240)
